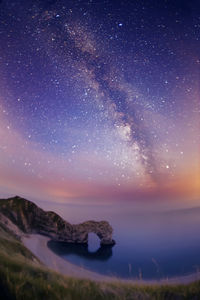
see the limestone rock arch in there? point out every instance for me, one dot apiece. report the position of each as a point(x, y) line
point(102, 229)
point(31, 219)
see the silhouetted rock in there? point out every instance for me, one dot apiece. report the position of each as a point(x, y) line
point(32, 219)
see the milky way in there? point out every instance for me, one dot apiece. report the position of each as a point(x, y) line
point(99, 98)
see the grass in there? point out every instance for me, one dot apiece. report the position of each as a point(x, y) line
point(23, 277)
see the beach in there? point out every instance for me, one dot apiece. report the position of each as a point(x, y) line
point(37, 244)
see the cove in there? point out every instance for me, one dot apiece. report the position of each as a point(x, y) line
point(152, 246)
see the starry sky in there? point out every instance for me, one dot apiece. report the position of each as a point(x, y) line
point(100, 100)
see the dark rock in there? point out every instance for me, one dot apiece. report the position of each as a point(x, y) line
point(32, 219)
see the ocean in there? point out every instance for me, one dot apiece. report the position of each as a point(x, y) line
point(149, 244)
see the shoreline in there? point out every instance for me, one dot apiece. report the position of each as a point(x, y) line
point(37, 244)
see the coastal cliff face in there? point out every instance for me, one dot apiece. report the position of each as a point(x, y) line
point(29, 218)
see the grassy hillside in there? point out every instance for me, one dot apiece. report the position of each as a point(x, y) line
point(22, 276)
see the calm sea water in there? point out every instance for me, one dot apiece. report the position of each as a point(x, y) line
point(148, 245)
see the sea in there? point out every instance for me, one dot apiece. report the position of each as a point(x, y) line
point(149, 244)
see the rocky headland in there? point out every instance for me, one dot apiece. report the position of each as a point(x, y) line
point(23, 216)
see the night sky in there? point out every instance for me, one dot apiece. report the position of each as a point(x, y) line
point(100, 100)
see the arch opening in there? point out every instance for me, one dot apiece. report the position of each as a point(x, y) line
point(93, 242)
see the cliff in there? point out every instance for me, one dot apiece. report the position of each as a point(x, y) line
point(29, 218)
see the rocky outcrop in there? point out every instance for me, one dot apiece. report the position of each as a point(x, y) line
point(102, 229)
point(29, 218)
